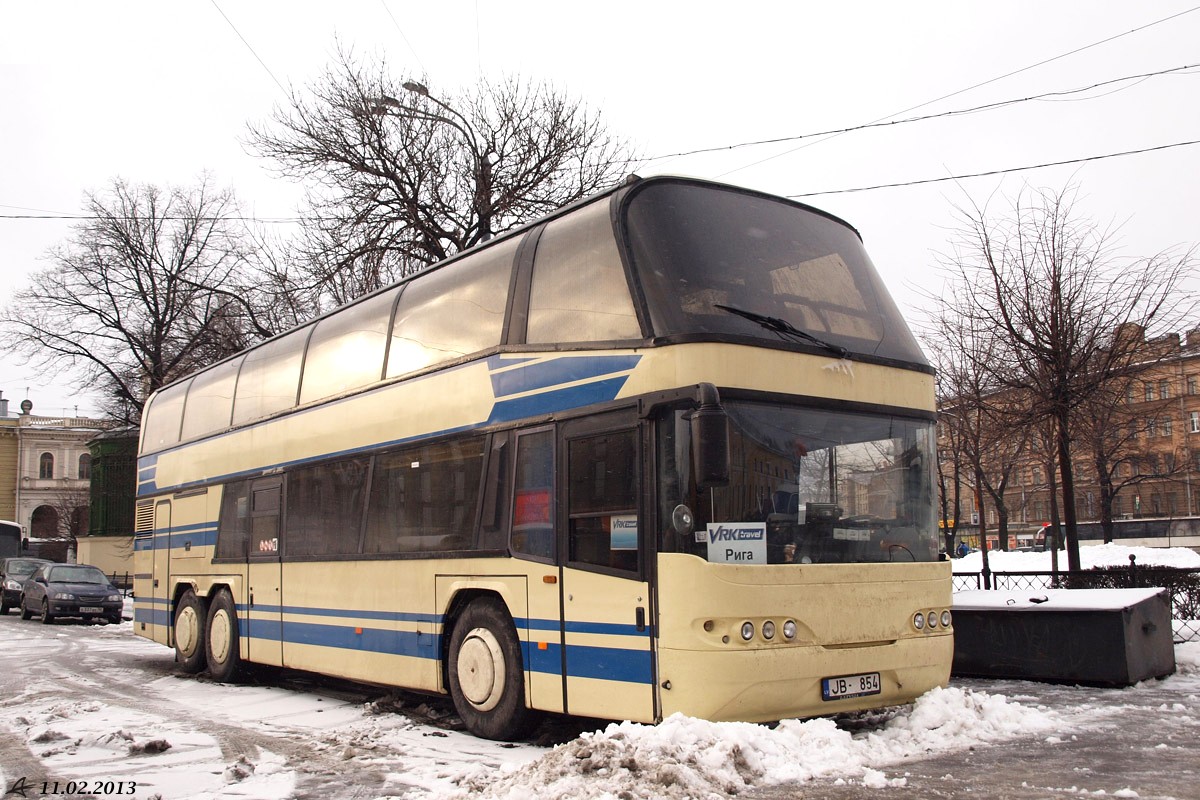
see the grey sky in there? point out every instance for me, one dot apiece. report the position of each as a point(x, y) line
point(158, 92)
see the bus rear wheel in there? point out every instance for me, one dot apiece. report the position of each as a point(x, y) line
point(222, 642)
point(487, 680)
point(190, 626)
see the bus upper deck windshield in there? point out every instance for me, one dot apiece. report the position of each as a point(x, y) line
point(698, 247)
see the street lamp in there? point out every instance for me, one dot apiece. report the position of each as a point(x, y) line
point(483, 164)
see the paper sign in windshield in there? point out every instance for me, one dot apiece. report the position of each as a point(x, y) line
point(737, 542)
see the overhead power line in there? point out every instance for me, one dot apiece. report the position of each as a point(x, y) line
point(978, 85)
point(996, 171)
point(282, 88)
point(953, 113)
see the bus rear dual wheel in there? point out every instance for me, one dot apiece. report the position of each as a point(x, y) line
point(206, 635)
point(487, 679)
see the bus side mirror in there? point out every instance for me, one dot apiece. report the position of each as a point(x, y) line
point(710, 441)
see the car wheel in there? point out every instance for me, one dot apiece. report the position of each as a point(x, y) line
point(190, 624)
point(115, 619)
point(4, 607)
point(47, 618)
point(222, 644)
point(487, 680)
point(25, 612)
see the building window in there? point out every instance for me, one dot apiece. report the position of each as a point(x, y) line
point(1151, 428)
point(46, 466)
point(1164, 390)
point(1149, 392)
point(85, 467)
point(1129, 394)
point(1194, 421)
point(1193, 384)
point(1167, 427)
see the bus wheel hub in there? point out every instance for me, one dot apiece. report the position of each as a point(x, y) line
point(481, 669)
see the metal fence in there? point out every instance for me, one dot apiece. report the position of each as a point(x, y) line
point(123, 581)
point(1182, 585)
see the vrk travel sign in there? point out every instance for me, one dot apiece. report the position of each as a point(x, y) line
point(737, 542)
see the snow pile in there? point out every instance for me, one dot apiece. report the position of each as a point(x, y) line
point(1187, 658)
point(1104, 555)
point(684, 757)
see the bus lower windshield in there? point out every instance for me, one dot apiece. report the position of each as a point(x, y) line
point(806, 486)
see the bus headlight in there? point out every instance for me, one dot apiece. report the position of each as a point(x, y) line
point(747, 631)
point(919, 620)
point(768, 630)
point(789, 629)
point(945, 619)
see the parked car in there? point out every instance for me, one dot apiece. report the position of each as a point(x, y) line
point(14, 571)
point(70, 590)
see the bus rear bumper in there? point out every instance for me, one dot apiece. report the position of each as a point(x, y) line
point(784, 682)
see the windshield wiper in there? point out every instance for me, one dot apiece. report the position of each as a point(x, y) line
point(784, 328)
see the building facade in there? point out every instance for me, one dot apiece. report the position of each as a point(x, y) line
point(1142, 452)
point(51, 479)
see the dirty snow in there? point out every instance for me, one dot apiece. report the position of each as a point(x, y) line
point(154, 734)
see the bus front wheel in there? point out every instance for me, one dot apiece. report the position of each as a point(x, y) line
point(190, 625)
point(487, 681)
point(222, 644)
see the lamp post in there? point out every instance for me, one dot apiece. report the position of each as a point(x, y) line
point(482, 200)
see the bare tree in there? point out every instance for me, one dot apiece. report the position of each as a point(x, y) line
point(405, 177)
point(986, 423)
point(1052, 287)
point(152, 285)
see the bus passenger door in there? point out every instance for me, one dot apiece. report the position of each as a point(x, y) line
point(533, 538)
point(263, 631)
point(608, 646)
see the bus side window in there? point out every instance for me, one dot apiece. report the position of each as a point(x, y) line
point(234, 530)
point(533, 499)
point(603, 500)
point(497, 489)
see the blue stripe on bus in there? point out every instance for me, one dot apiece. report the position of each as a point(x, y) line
point(555, 372)
point(583, 661)
point(200, 534)
point(557, 400)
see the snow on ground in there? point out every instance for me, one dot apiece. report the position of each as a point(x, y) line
point(680, 758)
point(1104, 555)
point(160, 744)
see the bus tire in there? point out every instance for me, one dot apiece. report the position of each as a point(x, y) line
point(222, 644)
point(191, 623)
point(487, 680)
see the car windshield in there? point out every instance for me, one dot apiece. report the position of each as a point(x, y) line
point(21, 569)
point(76, 574)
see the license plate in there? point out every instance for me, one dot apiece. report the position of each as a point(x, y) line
point(846, 686)
point(91, 610)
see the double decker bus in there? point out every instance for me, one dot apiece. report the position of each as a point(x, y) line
point(669, 449)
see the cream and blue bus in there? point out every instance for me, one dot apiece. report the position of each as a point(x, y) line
point(668, 449)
